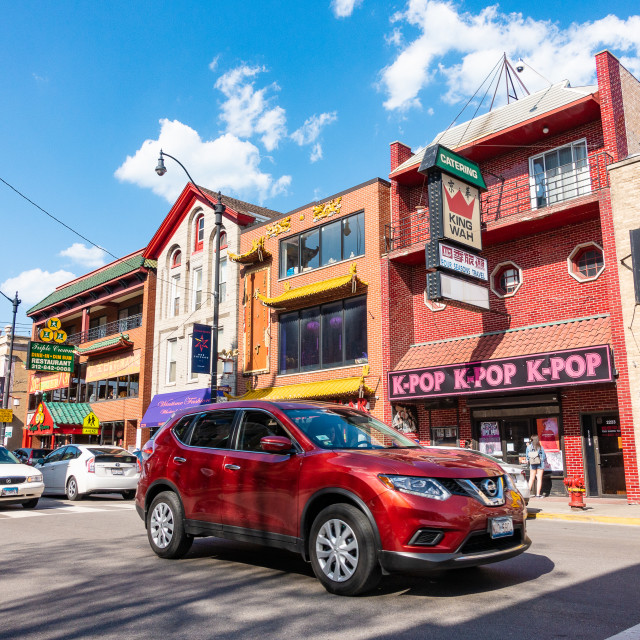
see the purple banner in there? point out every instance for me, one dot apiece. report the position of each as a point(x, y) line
point(164, 405)
point(552, 369)
point(201, 349)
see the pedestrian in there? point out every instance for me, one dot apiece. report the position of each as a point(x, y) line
point(536, 458)
point(467, 444)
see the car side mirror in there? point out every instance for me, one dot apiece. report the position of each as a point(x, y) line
point(276, 444)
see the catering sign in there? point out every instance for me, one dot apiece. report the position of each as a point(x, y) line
point(50, 357)
point(439, 157)
point(552, 369)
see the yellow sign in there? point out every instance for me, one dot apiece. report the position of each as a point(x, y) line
point(90, 422)
point(59, 336)
point(46, 335)
point(88, 431)
point(6, 415)
point(54, 323)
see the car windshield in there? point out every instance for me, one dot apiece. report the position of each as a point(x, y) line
point(488, 457)
point(347, 429)
point(108, 451)
point(6, 457)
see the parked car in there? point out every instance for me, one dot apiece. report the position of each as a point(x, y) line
point(19, 483)
point(78, 470)
point(353, 496)
point(517, 472)
point(31, 456)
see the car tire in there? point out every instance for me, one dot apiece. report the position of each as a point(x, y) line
point(342, 548)
point(129, 495)
point(72, 490)
point(165, 527)
point(30, 504)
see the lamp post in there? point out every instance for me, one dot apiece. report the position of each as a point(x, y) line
point(5, 400)
point(218, 209)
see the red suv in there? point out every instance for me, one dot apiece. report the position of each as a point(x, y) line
point(352, 495)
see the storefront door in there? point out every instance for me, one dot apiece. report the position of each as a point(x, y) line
point(603, 456)
point(515, 433)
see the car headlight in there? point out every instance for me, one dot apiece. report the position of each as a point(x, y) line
point(37, 478)
point(425, 487)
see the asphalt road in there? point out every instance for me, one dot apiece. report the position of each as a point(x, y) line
point(85, 570)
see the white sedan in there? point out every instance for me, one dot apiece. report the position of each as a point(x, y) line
point(19, 483)
point(80, 469)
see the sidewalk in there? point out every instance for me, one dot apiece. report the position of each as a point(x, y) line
point(602, 510)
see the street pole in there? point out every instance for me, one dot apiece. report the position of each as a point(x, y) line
point(7, 387)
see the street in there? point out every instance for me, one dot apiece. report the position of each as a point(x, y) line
point(85, 570)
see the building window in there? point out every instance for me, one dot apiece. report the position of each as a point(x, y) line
point(130, 317)
point(176, 258)
point(330, 335)
point(97, 328)
point(197, 288)
point(559, 174)
point(328, 244)
point(223, 279)
point(190, 374)
point(199, 234)
point(171, 360)
point(174, 296)
point(586, 262)
point(223, 240)
point(506, 279)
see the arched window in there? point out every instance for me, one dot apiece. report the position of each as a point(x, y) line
point(223, 240)
point(199, 229)
point(176, 258)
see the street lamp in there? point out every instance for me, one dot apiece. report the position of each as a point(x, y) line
point(5, 400)
point(218, 209)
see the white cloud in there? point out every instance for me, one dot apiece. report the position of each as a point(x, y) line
point(478, 40)
point(91, 257)
point(35, 284)
point(344, 8)
point(312, 127)
point(248, 110)
point(213, 65)
point(226, 163)
point(316, 152)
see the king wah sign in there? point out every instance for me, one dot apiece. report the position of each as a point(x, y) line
point(587, 365)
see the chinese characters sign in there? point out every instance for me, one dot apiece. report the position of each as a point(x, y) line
point(113, 367)
point(461, 212)
point(463, 261)
point(50, 357)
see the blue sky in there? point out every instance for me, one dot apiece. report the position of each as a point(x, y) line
point(274, 103)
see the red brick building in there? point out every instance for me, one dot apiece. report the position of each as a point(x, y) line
point(309, 321)
point(108, 315)
point(554, 293)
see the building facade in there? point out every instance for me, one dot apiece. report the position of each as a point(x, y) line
point(18, 386)
point(309, 325)
point(549, 356)
point(184, 249)
point(108, 315)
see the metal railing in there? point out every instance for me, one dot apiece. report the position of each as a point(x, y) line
point(109, 329)
point(506, 197)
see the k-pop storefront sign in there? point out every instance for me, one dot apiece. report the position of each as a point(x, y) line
point(552, 369)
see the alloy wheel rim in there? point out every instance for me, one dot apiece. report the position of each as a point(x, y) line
point(337, 550)
point(72, 488)
point(161, 525)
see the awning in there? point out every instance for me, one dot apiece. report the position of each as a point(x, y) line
point(107, 345)
point(55, 415)
point(257, 253)
point(311, 390)
point(164, 405)
point(325, 289)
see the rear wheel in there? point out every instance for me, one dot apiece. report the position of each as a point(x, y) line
point(343, 551)
point(165, 527)
point(129, 495)
point(72, 490)
point(30, 504)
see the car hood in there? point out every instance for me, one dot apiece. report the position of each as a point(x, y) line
point(422, 462)
point(7, 470)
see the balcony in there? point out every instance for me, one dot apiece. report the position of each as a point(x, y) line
point(509, 200)
point(110, 329)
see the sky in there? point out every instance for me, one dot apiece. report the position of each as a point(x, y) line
point(276, 103)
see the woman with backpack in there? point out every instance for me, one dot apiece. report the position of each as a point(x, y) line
point(536, 458)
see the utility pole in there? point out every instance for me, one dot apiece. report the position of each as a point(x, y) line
point(7, 386)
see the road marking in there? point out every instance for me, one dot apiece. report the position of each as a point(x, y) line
point(574, 517)
point(632, 633)
point(65, 509)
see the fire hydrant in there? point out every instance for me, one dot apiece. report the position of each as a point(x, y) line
point(576, 489)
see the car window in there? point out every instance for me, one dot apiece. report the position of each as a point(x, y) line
point(39, 453)
point(181, 430)
point(256, 425)
point(6, 457)
point(212, 430)
point(70, 453)
point(55, 455)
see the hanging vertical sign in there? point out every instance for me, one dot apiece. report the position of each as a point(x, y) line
point(201, 349)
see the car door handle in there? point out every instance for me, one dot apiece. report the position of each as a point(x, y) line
point(233, 467)
point(179, 460)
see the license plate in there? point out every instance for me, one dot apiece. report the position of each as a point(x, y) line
point(501, 527)
point(117, 472)
point(10, 491)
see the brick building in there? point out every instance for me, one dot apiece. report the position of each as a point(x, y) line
point(18, 391)
point(184, 249)
point(108, 314)
point(548, 238)
point(309, 324)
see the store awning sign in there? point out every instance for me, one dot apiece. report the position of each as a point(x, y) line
point(553, 369)
point(164, 405)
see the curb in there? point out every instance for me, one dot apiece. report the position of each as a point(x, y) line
point(584, 518)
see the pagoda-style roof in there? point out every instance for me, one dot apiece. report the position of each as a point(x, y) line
point(105, 346)
point(257, 253)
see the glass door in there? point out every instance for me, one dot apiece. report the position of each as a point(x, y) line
point(603, 455)
point(516, 431)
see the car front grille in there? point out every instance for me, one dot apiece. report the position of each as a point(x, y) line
point(477, 488)
point(481, 541)
point(12, 480)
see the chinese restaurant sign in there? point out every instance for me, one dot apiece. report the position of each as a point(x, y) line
point(552, 369)
point(39, 382)
point(50, 357)
point(114, 367)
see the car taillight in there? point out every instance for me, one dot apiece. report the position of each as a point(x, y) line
point(91, 465)
point(139, 466)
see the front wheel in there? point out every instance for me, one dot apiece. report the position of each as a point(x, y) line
point(165, 526)
point(129, 495)
point(30, 504)
point(72, 490)
point(343, 551)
